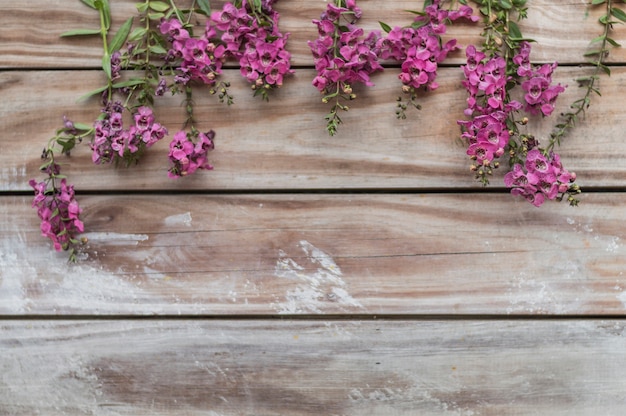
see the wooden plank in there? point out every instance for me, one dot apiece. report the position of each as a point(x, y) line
point(311, 368)
point(321, 254)
point(562, 30)
point(283, 144)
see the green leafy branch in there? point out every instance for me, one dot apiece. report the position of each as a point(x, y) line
point(600, 47)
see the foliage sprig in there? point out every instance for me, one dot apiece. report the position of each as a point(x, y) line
point(596, 56)
point(497, 129)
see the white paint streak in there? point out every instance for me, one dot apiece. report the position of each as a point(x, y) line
point(35, 278)
point(376, 400)
point(318, 280)
point(179, 219)
point(622, 298)
point(528, 294)
point(613, 245)
point(12, 178)
point(115, 238)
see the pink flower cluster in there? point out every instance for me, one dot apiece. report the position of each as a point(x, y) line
point(542, 177)
point(540, 93)
point(199, 58)
point(186, 157)
point(253, 38)
point(112, 141)
point(342, 55)
point(487, 134)
point(58, 211)
point(419, 48)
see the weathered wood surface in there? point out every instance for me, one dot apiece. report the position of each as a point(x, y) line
point(253, 240)
point(283, 144)
point(561, 28)
point(320, 254)
point(313, 368)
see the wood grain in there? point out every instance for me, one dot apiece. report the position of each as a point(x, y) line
point(312, 368)
point(562, 30)
point(321, 254)
point(282, 266)
point(283, 144)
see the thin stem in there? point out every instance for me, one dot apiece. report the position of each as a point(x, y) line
point(104, 30)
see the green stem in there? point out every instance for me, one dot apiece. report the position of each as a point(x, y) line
point(104, 30)
point(179, 16)
point(189, 107)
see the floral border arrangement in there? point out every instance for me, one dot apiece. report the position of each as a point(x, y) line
point(159, 47)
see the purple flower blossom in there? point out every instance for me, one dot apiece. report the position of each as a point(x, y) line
point(199, 58)
point(58, 211)
point(540, 95)
point(542, 177)
point(186, 157)
point(255, 40)
point(112, 142)
point(485, 82)
point(358, 54)
point(419, 49)
point(116, 65)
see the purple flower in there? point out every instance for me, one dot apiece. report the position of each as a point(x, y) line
point(58, 211)
point(358, 54)
point(197, 58)
point(112, 142)
point(186, 157)
point(255, 40)
point(541, 178)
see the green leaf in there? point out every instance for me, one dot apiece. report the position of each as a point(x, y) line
point(121, 35)
point(82, 126)
point(613, 42)
point(129, 83)
point(618, 13)
point(90, 93)
point(385, 26)
point(506, 4)
point(205, 7)
point(89, 3)
point(141, 7)
point(156, 16)
point(606, 70)
point(80, 32)
point(158, 49)
point(598, 39)
point(595, 2)
point(137, 33)
point(106, 65)
point(159, 6)
point(514, 31)
point(594, 52)
point(416, 12)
